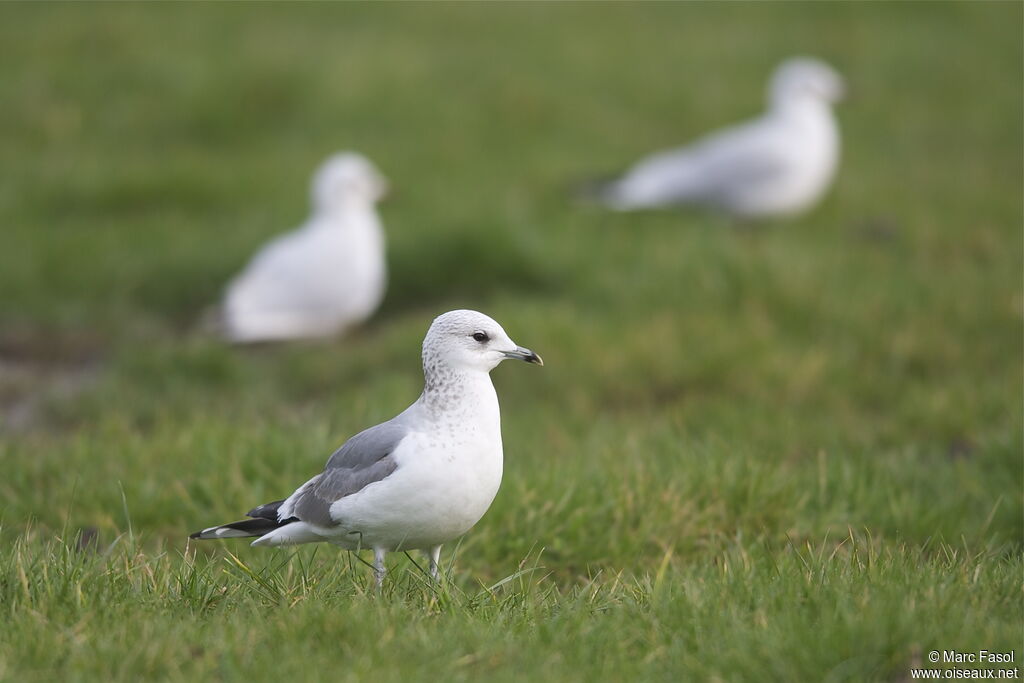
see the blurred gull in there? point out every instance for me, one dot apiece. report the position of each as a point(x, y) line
point(324, 277)
point(418, 480)
point(775, 165)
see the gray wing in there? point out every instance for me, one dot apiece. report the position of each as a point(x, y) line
point(705, 170)
point(362, 460)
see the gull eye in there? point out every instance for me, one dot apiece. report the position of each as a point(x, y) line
point(480, 337)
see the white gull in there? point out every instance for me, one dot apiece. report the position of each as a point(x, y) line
point(322, 278)
point(418, 480)
point(778, 164)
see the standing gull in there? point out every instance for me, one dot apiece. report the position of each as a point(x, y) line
point(421, 478)
point(324, 277)
point(778, 164)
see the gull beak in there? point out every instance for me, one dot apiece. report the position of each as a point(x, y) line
point(524, 354)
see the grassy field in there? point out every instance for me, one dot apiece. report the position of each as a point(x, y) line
point(785, 453)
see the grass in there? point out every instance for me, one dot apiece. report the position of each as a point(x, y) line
point(750, 611)
point(784, 453)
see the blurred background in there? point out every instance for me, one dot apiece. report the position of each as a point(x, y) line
point(858, 366)
point(149, 150)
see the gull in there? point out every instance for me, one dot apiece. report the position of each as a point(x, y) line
point(418, 480)
point(322, 278)
point(776, 165)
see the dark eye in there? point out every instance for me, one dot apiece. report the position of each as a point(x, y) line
point(480, 337)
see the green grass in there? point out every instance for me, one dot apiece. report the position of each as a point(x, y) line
point(784, 453)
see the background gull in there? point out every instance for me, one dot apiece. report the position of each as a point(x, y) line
point(421, 478)
point(324, 277)
point(777, 164)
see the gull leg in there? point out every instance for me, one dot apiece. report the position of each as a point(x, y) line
point(435, 556)
point(378, 566)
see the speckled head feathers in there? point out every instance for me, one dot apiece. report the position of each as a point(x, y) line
point(471, 341)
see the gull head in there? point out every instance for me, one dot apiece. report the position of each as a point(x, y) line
point(804, 78)
point(347, 178)
point(470, 340)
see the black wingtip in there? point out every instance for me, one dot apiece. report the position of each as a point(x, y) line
point(266, 511)
point(197, 534)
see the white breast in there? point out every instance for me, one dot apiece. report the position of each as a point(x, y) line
point(436, 494)
point(448, 474)
point(803, 147)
